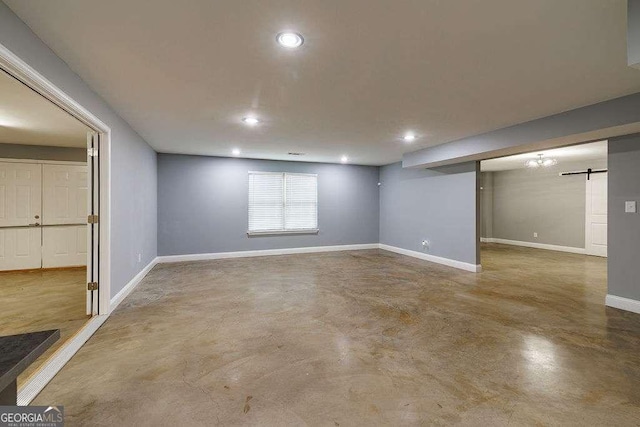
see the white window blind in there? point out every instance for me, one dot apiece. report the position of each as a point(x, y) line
point(282, 202)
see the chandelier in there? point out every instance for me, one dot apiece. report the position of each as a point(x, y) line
point(540, 162)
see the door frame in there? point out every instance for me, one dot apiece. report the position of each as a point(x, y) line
point(16, 67)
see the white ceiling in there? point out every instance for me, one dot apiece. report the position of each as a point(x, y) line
point(28, 118)
point(184, 73)
point(574, 153)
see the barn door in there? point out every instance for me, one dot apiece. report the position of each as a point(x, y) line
point(596, 215)
point(93, 223)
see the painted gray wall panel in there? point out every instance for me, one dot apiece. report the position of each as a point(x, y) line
point(633, 32)
point(486, 204)
point(203, 205)
point(539, 200)
point(434, 204)
point(624, 228)
point(42, 152)
point(134, 174)
point(532, 135)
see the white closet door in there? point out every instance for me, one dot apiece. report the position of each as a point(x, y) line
point(20, 194)
point(65, 194)
point(64, 235)
point(64, 246)
point(20, 248)
point(20, 204)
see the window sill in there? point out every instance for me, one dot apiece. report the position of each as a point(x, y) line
point(281, 232)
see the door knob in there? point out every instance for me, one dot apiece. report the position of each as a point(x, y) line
point(37, 217)
point(37, 224)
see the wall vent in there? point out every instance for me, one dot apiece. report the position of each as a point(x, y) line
point(296, 154)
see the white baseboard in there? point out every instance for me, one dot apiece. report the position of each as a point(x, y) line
point(120, 296)
point(290, 251)
point(622, 303)
point(432, 258)
point(266, 252)
point(54, 364)
point(534, 245)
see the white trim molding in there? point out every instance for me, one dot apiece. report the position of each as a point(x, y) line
point(124, 292)
point(622, 303)
point(534, 245)
point(316, 249)
point(279, 232)
point(54, 364)
point(45, 162)
point(22, 71)
point(475, 268)
point(266, 252)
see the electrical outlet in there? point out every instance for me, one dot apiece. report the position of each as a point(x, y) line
point(139, 257)
point(535, 234)
point(630, 207)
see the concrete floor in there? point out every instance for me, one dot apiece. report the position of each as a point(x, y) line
point(361, 338)
point(37, 300)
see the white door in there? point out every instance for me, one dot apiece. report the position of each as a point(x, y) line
point(596, 215)
point(20, 210)
point(64, 194)
point(64, 246)
point(20, 248)
point(64, 236)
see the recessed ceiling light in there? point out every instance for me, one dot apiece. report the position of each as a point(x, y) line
point(235, 151)
point(289, 40)
point(409, 136)
point(250, 120)
point(344, 159)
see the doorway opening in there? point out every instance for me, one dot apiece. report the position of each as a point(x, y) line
point(49, 195)
point(543, 216)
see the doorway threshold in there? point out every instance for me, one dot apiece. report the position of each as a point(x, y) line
point(34, 385)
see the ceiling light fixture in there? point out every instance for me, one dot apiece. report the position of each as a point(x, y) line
point(540, 162)
point(250, 120)
point(409, 137)
point(235, 151)
point(344, 159)
point(289, 39)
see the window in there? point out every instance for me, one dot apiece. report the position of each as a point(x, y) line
point(282, 203)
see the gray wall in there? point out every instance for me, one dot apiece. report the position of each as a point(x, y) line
point(624, 228)
point(486, 204)
point(134, 173)
point(42, 152)
point(539, 200)
point(438, 205)
point(203, 205)
point(633, 32)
